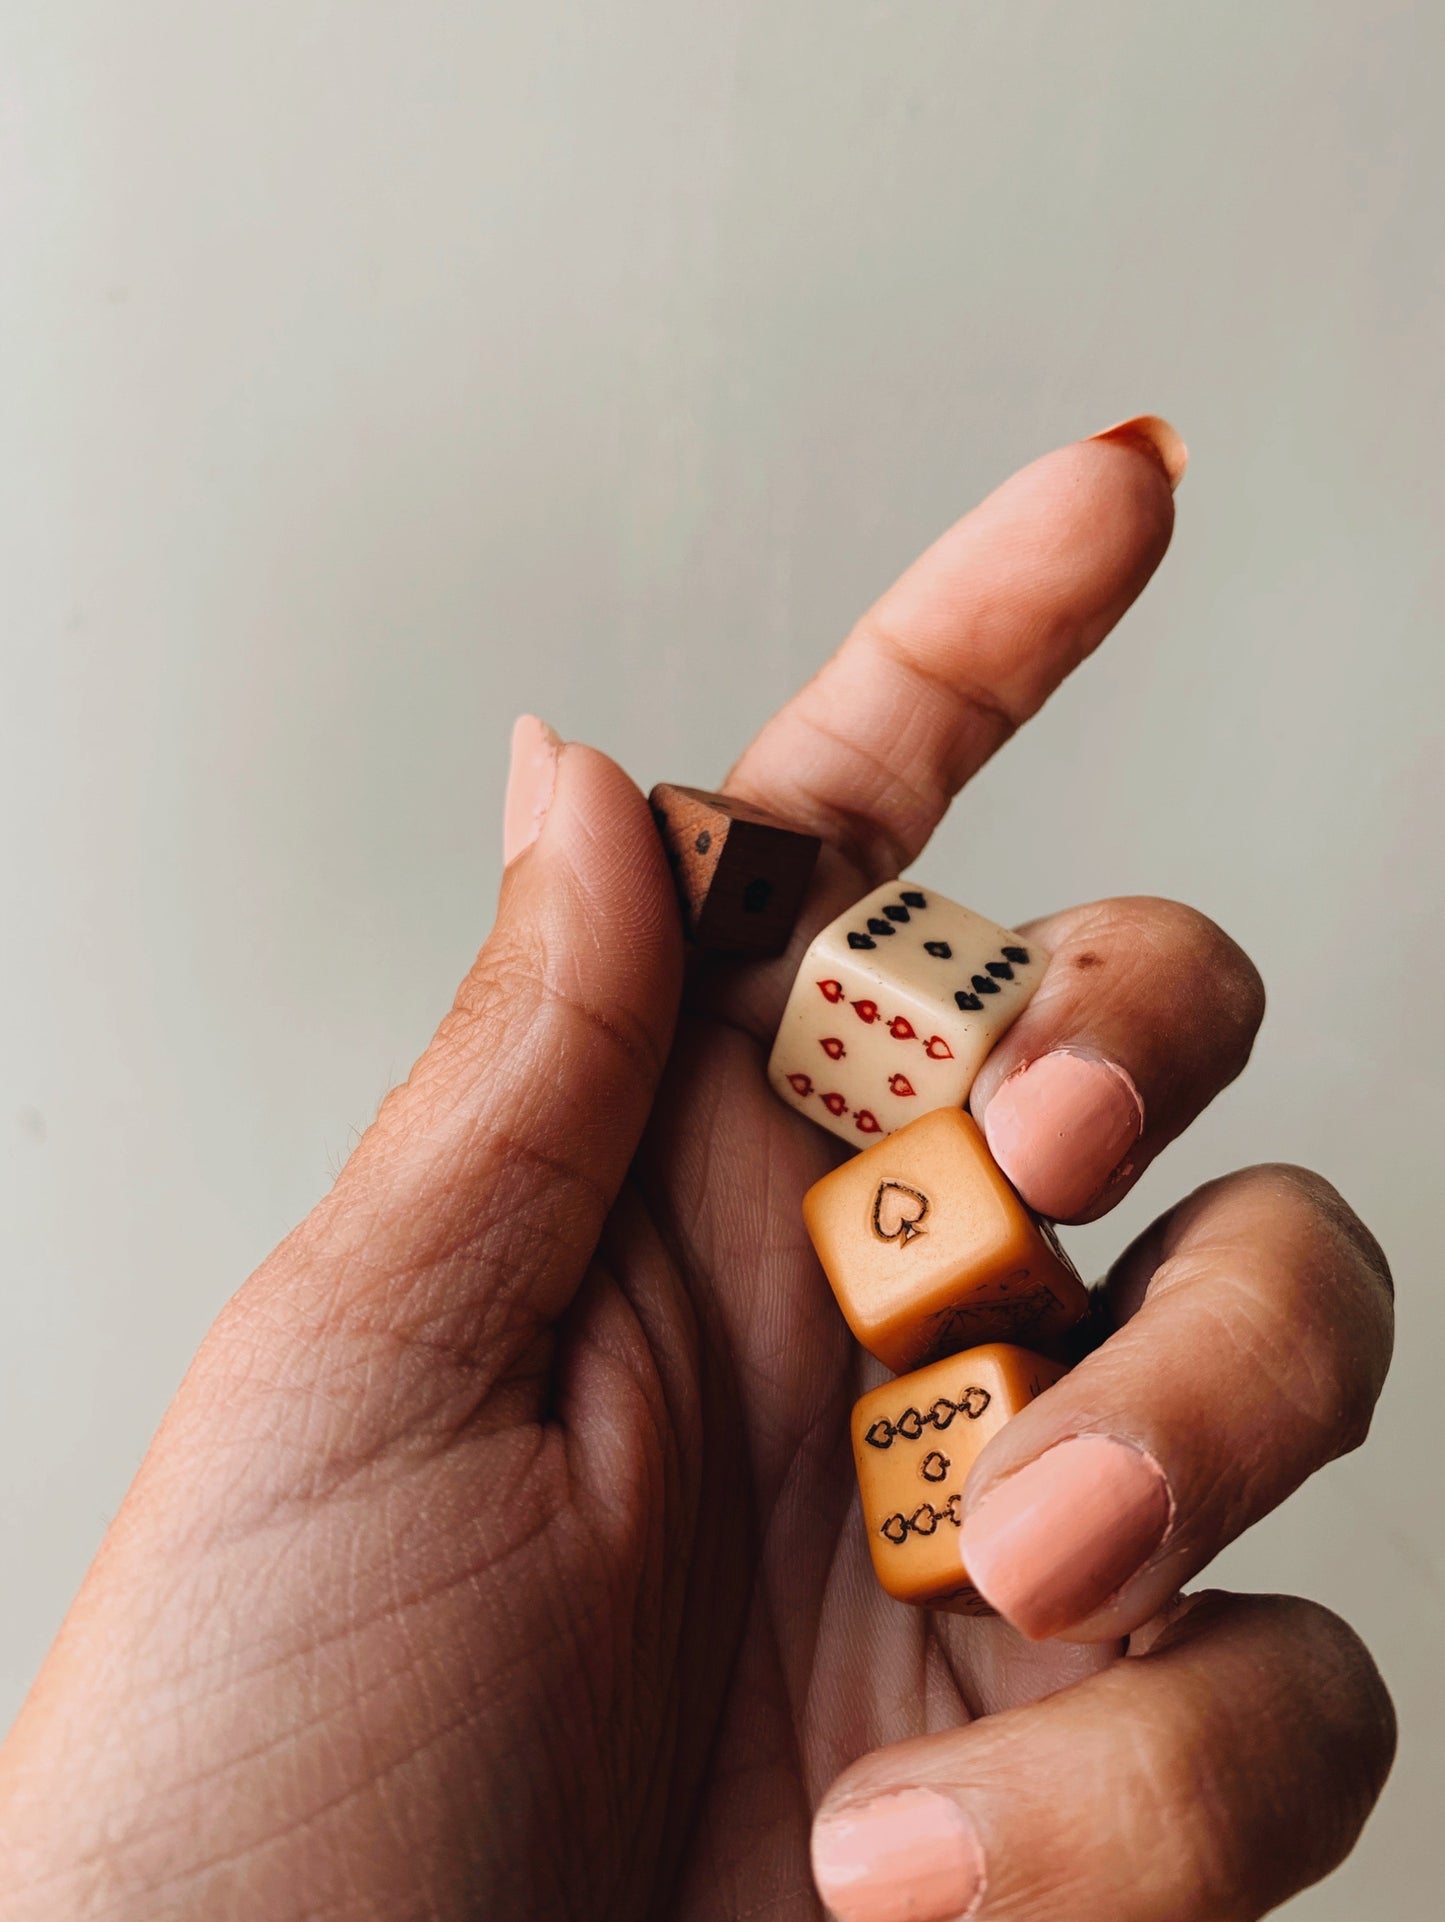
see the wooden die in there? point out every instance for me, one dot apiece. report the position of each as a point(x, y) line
point(741, 874)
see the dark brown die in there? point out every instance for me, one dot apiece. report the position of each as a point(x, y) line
point(741, 874)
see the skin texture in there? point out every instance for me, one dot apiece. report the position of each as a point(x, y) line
point(499, 1556)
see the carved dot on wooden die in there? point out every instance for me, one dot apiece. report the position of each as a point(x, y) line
point(741, 874)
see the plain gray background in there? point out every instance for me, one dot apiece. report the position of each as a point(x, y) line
point(369, 371)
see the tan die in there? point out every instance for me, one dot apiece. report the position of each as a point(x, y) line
point(895, 1007)
point(929, 1249)
point(914, 1441)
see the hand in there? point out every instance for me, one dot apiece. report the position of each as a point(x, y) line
point(499, 1556)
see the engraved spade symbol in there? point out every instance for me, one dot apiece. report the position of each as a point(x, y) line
point(897, 1211)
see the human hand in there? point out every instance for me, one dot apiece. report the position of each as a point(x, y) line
point(499, 1556)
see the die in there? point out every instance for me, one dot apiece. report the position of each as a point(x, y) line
point(929, 1249)
point(741, 874)
point(895, 1006)
point(914, 1441)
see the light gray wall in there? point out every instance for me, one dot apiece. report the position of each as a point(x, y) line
point(369, 371)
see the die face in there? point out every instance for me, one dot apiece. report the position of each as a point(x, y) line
point(894, 1009)
point(692, 829)
point(928, 1248)
point(914, 1441)
point(740, 874)
point(757, 889)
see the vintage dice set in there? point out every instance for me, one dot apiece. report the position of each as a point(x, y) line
point(938, 1267)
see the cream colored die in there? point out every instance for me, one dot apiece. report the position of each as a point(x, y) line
point(894, 1009)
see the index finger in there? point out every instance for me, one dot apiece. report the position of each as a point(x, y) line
point(967, 645)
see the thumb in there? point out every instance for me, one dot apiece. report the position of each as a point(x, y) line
point(468, 1213)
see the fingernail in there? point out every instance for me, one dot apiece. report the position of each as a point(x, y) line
point(531, 781)
point(1051, 1544)
point(1154, 435)
point(1061, 1128)
point(909, 1857)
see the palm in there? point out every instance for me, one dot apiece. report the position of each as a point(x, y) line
point(770, 1643)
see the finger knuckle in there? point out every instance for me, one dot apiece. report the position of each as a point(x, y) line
point(1189, 1833)
point(1355, 1712)
point(505, 982)
point(1330, 1699)
point(1333, 1217)
point(1317, 1384)
point(512, 990)
point(1216, 1823)
point(1332, 1297)
point(1300, 1291)
point(1187, 938)
point(1214, 992)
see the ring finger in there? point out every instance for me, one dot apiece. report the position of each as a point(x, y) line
point(1257, 1322)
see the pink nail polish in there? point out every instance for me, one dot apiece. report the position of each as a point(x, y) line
point(908, 1857)
point(1050, 1544)
point(1154, 436)
point(1061, 1128)
point(531, 783)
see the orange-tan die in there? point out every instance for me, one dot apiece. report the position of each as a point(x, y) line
point(929, 1249)
point(914, 1441)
